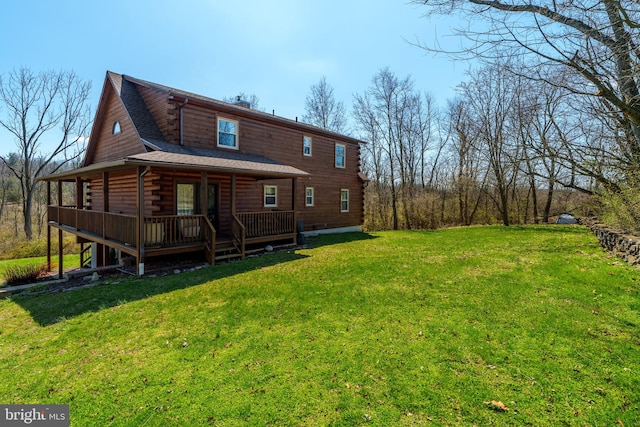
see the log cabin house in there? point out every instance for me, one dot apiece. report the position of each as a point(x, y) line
point(168, 171)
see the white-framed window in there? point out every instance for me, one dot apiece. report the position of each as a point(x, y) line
point(306, 145)
point(341, 151)
point(115, 130)
point(309, 196)
point(270, 196)
point(344, 200)
point(227, 133)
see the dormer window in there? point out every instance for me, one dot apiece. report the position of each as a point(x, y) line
point(115, 130)
point(227, 133)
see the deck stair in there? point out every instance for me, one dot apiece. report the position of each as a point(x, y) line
point(226, 250)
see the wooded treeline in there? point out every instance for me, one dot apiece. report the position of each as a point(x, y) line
point(507, 150)
point(550, 122)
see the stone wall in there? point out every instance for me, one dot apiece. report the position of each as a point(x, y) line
point(618, 242)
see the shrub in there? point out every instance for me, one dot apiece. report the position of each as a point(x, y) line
point(23, 274)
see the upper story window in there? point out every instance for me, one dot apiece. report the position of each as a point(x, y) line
point(340, 155)
point(306, 145)
point(270, 196)
point(228, 133)
point(116, 128)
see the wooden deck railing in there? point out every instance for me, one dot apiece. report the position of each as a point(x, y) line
point(270, 223)
point(168, 230)
point(108, 225)
point(174, 230)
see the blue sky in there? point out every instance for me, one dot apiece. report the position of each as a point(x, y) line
point(273, 49)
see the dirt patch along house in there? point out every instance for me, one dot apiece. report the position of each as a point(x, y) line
point(168, 171)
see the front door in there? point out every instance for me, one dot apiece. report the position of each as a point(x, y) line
point(213, 208)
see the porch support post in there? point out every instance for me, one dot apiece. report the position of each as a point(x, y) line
point(140, 220)
point(60, 258)
point(79, 199)
point(105, 208)
point(294, 188)
point(48, 226)
point(203, 193)
point(233, 194)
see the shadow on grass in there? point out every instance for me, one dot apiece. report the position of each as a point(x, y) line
point(50, 308)
point(336, 239)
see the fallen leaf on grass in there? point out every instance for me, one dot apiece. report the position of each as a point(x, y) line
point(497, 406)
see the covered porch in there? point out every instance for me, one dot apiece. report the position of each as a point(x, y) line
point(118, 206)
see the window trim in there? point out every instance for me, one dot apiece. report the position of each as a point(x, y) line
point(344, 156)
point(306, 197)
point(237, 136)
point(344, 191)
point(274, 195)
point(306, 138)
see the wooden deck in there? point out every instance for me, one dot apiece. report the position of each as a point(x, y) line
point(173, 234)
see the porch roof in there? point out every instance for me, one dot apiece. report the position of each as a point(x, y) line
point(198, 160)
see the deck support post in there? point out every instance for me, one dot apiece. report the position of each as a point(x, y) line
point(94, 254)
point(104, 258)
point(294, 187)
point(60, 257)
point(140, 220)
point(48, 226)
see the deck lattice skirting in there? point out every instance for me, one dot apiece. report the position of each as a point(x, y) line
point(618, 242)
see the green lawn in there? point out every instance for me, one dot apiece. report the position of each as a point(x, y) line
point(391, 328)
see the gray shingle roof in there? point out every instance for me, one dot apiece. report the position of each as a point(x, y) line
point(219, 162)
point(142, 119)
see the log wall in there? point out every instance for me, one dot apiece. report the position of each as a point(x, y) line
point(285, 145)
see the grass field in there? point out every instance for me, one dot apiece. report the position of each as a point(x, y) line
point(390, 328)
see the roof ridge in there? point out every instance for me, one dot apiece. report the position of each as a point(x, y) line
point(171, 91)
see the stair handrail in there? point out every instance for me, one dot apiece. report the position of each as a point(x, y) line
point(238, 232)
point(210, 240)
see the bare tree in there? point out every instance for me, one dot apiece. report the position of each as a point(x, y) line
point(596, 39)
point(396, 120)
point(4, 188)
point(469, 177)
point(48, 106)
point(491, 98)
point(322, 109)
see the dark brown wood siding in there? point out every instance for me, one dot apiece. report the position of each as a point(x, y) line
point(113, 147)
point(256, 135)
point(163, 112)
point(123, 193)
point(285, 145)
